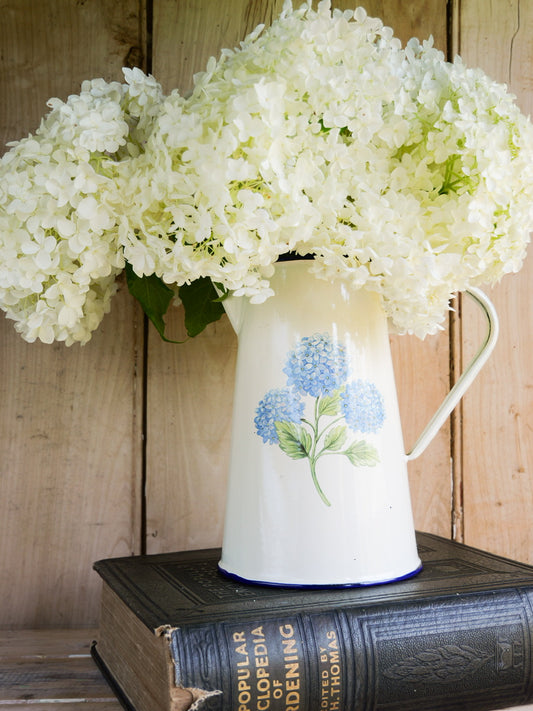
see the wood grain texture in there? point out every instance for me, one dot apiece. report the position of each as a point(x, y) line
point(48, 47)
point(68, 471)
point(69, 422)
point(497, 413)
point(189, 403)
point(44, 644)
point(52, 669)
point(188, 32)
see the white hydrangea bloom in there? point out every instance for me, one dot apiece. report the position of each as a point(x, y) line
point(60, 207)
point(400, 172)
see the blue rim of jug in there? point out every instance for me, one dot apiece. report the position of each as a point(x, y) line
point(317, 586)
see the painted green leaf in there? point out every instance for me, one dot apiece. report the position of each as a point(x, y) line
point(330, 404)
point(153, 295)
point(335, 438)
point(293, 439)
point(201, 303)
point(307, 441)
point(362, 454)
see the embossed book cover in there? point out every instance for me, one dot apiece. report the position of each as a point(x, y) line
point(175, 635)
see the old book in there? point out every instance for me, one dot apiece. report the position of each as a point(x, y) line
point(177, 635)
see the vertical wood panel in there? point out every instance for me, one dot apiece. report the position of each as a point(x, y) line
point(422, 367)
point(190, 387)
point(497, 464)
point(187, 32)
point(69, 426)
point(48, 47)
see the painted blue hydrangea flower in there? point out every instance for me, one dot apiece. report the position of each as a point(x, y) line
point(317, 370)
point(278, 405)
point(317, 365)
point(362, 406)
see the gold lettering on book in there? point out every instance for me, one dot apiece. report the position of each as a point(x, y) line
point(258, 687)
point(331, 674)
point(262, 672)
point(291, 660)
point(243, 671)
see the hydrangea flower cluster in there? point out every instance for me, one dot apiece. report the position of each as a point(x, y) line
point(397, 171)
point(318, 367)
point(362, 406)
point(60, 207)
point(277, 405)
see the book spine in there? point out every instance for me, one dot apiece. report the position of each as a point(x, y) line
point(472, 653)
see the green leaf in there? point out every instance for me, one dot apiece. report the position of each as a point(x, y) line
point(293, 439)
point(344, 131)
point(362, 454)
point(153, 295)
point(330, 404)
point(202, 305)
point(335, 438)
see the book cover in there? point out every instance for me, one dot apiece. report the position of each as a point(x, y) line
point(458, 635)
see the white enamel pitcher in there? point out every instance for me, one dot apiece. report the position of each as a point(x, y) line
point(318, 490)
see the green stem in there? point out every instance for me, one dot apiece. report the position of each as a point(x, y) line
point(312, 462)
point(312, 454)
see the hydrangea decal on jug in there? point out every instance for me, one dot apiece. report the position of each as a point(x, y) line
point(317, 368)
point(402, 178)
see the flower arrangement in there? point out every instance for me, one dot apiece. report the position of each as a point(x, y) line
point(320, 136)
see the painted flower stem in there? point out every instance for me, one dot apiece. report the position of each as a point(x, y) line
point(313, 456)
point(312, 463)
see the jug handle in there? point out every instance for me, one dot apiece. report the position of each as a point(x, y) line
point(466, 378)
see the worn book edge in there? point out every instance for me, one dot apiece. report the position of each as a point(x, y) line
point(130, 652)
point(181, 694)
point(110, 679)
point(122, 697)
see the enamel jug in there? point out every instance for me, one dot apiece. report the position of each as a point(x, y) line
point(318, 490)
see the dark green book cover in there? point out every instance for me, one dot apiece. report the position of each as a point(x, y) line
point(456, 636)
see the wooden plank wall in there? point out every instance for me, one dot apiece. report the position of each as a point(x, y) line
point(73, 485)
point(497, 435)
point(70, 476)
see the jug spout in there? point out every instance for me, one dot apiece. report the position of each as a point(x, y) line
point(235, 307)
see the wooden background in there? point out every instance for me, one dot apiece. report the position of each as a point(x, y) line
point(121, 446)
